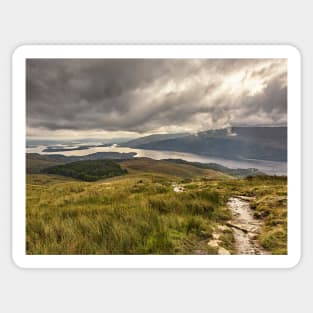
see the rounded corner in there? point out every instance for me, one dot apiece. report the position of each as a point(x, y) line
point(294, 261)
point(17, 261)
point(19, 51)
point(294, 51)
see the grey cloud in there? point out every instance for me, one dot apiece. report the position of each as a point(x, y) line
point(272, 102)
point(144, 95)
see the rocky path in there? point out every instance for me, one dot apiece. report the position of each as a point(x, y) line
point(245, 227)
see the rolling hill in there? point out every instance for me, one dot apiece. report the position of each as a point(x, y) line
point(236, 172)
point(140, 213)
point(35, 162)
point(183, 170)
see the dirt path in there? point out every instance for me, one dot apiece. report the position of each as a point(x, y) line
point(245, 227)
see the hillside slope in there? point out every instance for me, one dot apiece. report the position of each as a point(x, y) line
point(263, 143)
point(169, 168)
point(152, 138)
point(236, 172)
point(90, 170)
point(36, 162)
point(142, 214)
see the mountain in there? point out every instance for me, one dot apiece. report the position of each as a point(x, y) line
point(262, 143)
point(236, 172)
point(152, 138)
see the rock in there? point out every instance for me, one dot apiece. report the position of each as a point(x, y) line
point(222, 227)
point(222, 250)
point(179, 189)
point(215, 236)
point(213, 243)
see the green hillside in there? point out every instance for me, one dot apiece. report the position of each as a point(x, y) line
point(36, 162)
point(140, 213)
point(87, 170)
point(136, 215)
point(169, 168)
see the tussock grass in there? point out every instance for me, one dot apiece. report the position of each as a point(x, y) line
point(134, 215)
point(139, 213)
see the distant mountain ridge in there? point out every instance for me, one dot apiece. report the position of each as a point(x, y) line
point(152, 138)
point(36, 162)
point(261, 143)
point(236, 172)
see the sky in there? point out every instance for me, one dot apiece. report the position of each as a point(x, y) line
point(129, 98)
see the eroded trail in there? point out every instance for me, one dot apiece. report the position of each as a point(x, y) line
point(245, 227)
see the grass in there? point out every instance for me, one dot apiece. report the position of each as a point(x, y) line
point(35, 166)
point(139, 213)
point(136, 215)
point(169, 168)
point(270, 206)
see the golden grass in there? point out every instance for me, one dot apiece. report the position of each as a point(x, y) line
point(140, 213)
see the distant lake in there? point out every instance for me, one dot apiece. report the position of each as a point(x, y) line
point(268, 167)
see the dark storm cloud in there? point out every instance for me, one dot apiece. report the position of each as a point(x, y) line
point(272, 101)
point(150, 95)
